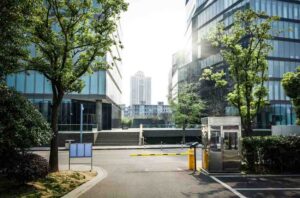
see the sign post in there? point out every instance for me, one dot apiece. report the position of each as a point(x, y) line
point(79, 150)
point(81, 121)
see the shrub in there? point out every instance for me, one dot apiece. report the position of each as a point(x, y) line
point(271, 154)
point(28, 167)
point(126, 123)
point(21, 125)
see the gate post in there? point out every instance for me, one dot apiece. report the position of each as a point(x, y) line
point(141, 134)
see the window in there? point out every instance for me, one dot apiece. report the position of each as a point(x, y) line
point(20, 86)
point(94, 83)
point(30, 82)
point(48, 86)
point(86, 88)
point(39, 83)
point(10, 80)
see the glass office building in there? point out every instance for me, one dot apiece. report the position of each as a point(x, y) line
point(285, 56)
point(101, 95)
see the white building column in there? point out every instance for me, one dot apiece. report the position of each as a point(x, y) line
point(99, 114)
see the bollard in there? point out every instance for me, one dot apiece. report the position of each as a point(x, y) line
point(205, 159)
point(191, 159)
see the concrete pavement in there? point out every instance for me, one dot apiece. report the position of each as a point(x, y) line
point(167, 176)
point(147, 176)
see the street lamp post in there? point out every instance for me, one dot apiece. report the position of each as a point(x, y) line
point(81, 121)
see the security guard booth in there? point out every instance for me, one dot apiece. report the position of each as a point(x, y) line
point(221, 144)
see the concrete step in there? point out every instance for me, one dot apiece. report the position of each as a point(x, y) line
point(117, 138)
point(107, 143)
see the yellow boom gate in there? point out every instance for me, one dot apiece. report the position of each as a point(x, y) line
point(191, 153)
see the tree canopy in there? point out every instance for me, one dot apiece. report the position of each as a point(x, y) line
point(245, 47)
point(213, 90)
point(291, 85)
point(21, 125)
point(15, 19)
point(187, 107)
point(71, 39)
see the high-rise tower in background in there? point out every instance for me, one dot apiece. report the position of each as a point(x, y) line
point(140, 89)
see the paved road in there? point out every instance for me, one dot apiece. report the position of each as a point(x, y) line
point(263, 186)
point(168, 177)
point(148, 176)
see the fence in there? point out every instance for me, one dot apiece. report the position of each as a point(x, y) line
point(76, 127)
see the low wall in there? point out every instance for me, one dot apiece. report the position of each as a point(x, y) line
point(87, 137)
point(286, 130)
point(170, 136)
point(151, 135)
point(164, 132)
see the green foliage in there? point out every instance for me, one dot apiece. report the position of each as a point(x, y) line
point(126, 122)
point(21, 125)
point(245, 47)
point(187, 107)
point(271, 154)
point(28, 167)
point(213, 90)
point(14, 21)
point(218, 77)
point(291, 85)
point(72, 38)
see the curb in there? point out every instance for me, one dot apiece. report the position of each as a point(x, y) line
point(139, 148)
point(111, 148)
point(101, 174)
point(240, 175)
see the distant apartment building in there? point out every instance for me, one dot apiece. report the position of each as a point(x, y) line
point(203, 15)
point(140, 89)
point(143, 111)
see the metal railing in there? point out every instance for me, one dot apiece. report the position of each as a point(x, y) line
point(76, 127)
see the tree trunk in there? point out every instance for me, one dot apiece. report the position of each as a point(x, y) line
point(53, 161)
point(183, 134)
point(248, 127)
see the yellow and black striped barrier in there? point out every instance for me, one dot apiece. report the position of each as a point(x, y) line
point(158, 154)
point(190, 153)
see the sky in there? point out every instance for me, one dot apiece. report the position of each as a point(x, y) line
point(152, 30)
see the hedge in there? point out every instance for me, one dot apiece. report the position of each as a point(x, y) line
point(28, 167)
point(271, 154)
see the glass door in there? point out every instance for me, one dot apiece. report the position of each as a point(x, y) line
point(231, 159)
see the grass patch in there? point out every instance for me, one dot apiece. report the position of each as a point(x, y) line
point(54, 185)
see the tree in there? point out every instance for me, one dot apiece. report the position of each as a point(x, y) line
point(187, 107)
point(21, 126)
point(245, 47)
point(15, 17)
point(126, 122)
point(213, 90)
point(72, 38)
point(291, 85)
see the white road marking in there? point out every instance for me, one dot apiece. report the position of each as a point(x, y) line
point(262, 189)
point(258, 176)
point(179, 169)
point(228, 187)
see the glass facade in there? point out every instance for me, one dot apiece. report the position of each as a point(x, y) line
point(32, 82)
point(38, 90)
point(100, 87)
point(285, 56)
